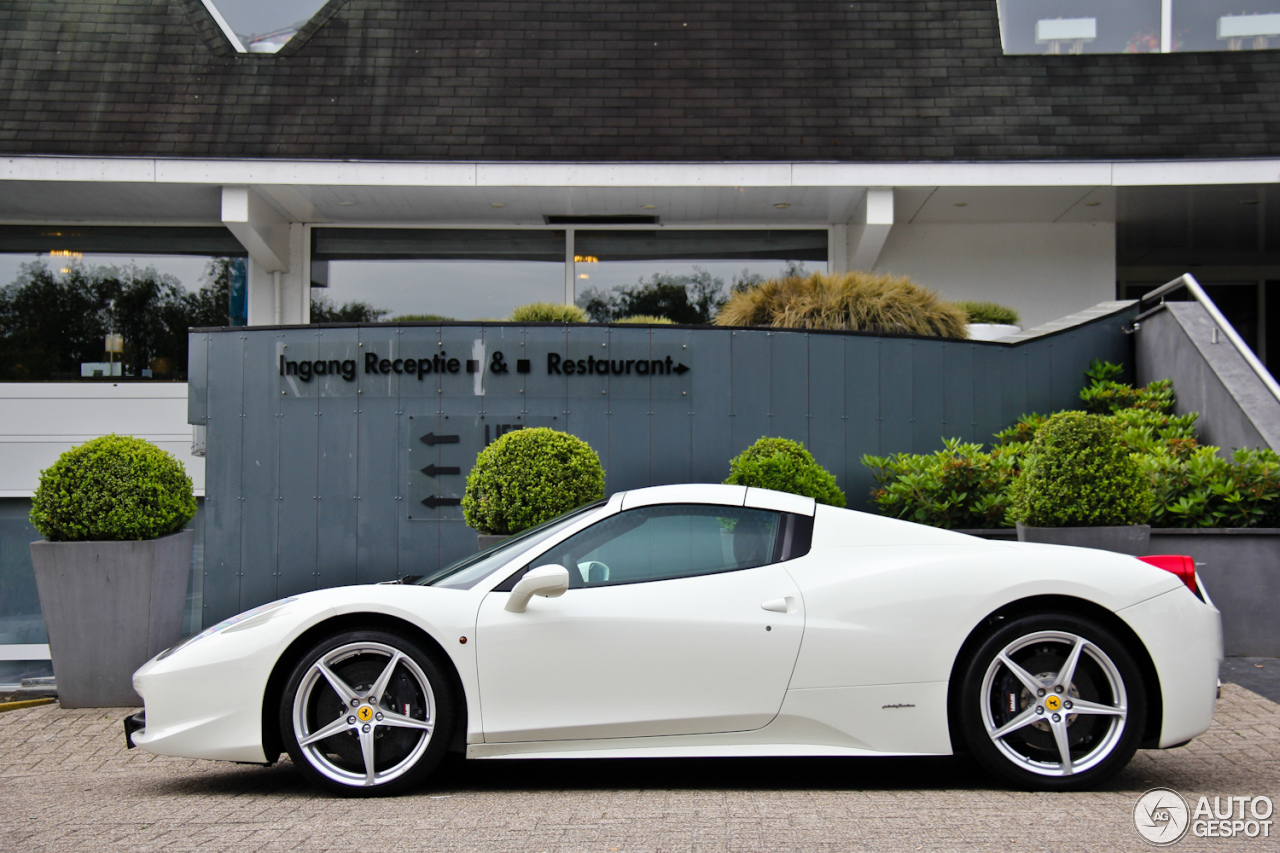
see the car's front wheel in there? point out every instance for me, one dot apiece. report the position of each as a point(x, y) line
point(366, 713)
point(1053, 702)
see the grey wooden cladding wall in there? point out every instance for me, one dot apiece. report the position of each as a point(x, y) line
point(319, 483)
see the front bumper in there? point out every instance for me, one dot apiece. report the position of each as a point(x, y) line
point(134, 723)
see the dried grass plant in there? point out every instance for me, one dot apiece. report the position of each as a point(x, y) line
point(852, 301)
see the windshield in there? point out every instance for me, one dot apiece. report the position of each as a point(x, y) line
point(470, 570)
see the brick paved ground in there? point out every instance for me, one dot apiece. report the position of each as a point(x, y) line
point(68, 784)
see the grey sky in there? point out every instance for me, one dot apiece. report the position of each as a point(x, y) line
point(249, 17)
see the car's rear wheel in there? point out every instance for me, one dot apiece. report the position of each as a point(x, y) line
point(1053, 702)
point(366, 713)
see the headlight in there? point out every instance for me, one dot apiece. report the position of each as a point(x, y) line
point(238, 622)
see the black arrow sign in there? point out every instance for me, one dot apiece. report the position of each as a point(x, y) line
point(433, 502)
point(432, 439)
point(680, 370)
point(436, 470)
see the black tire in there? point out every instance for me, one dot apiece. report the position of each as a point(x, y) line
point(376, 745)
point(1044, 737)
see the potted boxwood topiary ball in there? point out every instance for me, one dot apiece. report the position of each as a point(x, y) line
point(112, 570)
point(527, 477)
point(1080, 486)
point(784, 466)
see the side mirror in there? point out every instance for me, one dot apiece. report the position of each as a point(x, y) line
point(547, 581)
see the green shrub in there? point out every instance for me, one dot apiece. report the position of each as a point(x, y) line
point(647, 318)
point(855, 301)
point(957, 487)
point(549, 312)
point(529, 476)
point(421, 318)
point(1201, 489)
point(1023, 431)
point(989, 312)
point(1078, 473)
point(784, 466)
point(112, 488)
point(1190, 485)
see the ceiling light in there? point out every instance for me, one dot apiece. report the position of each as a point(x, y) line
point(345, 203)
point(782, 205)
point(1092, 203)
point(583, 275)
point(648, 207)
point(497, 204)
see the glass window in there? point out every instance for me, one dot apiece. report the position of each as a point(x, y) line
point(265, 27)
point(622, 273)
point(451, 274)
point(1080, 26)
point(663, 542)
point(1226, 24)
point(103, 302)
point(470, 570)
point(1137, 26)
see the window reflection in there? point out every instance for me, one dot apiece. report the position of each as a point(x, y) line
point(451, 274)
point(1137, 26)
point(683, 275)
point(1079, 26)
point(67, 314)
point(1226, 25)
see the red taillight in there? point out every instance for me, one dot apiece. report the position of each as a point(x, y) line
point(1182, 566)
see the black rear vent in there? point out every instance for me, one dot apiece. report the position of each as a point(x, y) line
point(602, 220)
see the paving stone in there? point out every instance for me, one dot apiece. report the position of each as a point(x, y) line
point(68, 783)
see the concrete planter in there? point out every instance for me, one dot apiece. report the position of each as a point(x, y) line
point(1128, 539)
point(109, 607)
point(488, 539)
point(991, 331)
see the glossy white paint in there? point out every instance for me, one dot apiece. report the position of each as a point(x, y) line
point(547, 581)
point(197, 699)
point(682, 656)
point(698, 493)
point(1185, 643)
point(780, 501)
point(848, 650)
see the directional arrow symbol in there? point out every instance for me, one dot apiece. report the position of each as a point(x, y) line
point(680, 369)
point(433, 502)
point(436, 470)
point(432, 439)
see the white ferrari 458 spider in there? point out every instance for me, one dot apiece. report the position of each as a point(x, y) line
point(708, 620)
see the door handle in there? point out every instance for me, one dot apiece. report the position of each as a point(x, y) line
point(778, 605)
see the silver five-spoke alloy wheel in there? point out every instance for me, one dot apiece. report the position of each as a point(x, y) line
point(1053, 702)
point(361, 713)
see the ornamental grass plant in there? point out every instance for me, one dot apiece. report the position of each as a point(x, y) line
point(549, 312)
point(112, 488)
point(989, 312)
point(527, 477)
point(649, 319)
point(852, 301)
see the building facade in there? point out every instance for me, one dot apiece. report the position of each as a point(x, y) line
point(457, 159)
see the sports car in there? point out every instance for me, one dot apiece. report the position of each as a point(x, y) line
point(708, 620)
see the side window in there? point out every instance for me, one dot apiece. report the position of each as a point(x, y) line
point(662, 542)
